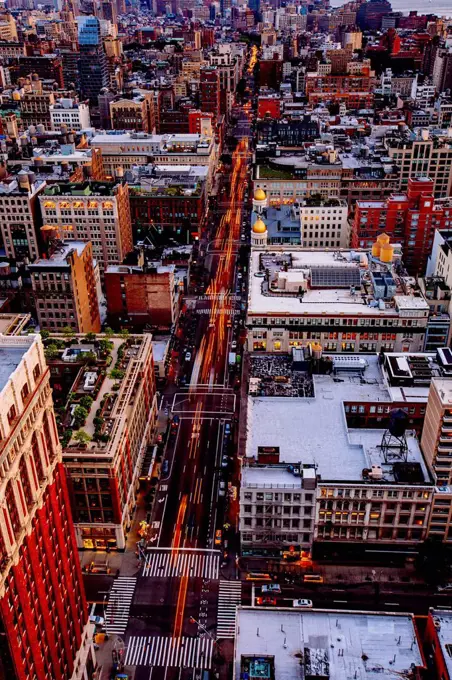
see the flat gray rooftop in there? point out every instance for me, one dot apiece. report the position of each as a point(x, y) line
point(10, 358)
point(350, 645)
point(445, 635)
point(314, 430)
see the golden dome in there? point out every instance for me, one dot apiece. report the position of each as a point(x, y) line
point(259, 227)
point(260, 195)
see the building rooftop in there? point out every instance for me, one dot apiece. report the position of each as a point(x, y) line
point(444, 632)
point(317, 271)
point(293, 425)
point(81, 189)
point(330, 644)
point(12, 351)
point(281, 222)
point(58, 259)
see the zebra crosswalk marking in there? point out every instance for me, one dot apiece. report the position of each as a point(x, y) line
point(169, 652)
point(229, 598)
point(119, 602)
point(167, 564)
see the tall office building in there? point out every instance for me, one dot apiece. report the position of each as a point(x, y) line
point(93, 64)
point(44, 630)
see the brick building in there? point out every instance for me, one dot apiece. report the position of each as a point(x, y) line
point(65, 288)
point(409, 219)
point(94, 211)
point(44, 630)
point(140, 296)
point(209, 90)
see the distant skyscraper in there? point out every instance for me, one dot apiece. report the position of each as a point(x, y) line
point(255, 6)
point(93, 66)
point(43, 614)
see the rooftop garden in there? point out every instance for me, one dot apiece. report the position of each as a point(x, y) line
point(266, 172)
point(93, 368)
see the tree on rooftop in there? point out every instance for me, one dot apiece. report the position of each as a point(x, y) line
point(68, 332)
point(80, 415)
point(86, 401)
point(105, 346)
point(124, 333)
point(90, 337)
point(51, 351)
point(45, 334)
point(109, 332)
point(82, 437)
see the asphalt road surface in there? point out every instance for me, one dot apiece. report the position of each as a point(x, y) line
point(172, 626)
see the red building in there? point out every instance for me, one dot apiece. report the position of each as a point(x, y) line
point(197, 119)
point(168, 211)
point(270, 73)
point(140, 296)
point(209, 90)
point(269, 106)
point(408, 218)
point(43, 611)
point(437, 635)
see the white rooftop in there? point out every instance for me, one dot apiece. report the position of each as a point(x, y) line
point(293, 425)
point(349, 645)
point(160, 348)
point(315, 301)
point(444, 633)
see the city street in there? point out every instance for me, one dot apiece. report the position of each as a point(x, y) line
point(183, 597)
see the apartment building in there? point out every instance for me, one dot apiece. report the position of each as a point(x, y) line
point(65, 288)
point(422, 155)
point(20, 216)
point(409, 219)
point(103, 464)
point(35, 108)
point(129, 114)
point(120, 152)
point(292, 179)
point(91, 211)
point(328, 217)
point(436, 435)
point(43, 613)
point(73, 114)
point(367, 489)
point(344, 301)
point(140, 296)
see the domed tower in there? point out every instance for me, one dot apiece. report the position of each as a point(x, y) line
point(259, 233)
point(259, 201)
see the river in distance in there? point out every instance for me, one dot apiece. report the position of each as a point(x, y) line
point(439, 7)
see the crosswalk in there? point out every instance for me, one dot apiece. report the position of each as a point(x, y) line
point(165, 564)
point(190, 652)
point(229, 598)
point(119, 602)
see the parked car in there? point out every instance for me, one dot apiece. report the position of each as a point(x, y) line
point(227, 428)
point(304, 604)
point(224, 462)
point(234, 344)
point(222, 488)
point(218, 536)
point(259, 275)
point(188, 356)
point(266, 601)
point(165, 467)
point(271, 588)
point(97, 620)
